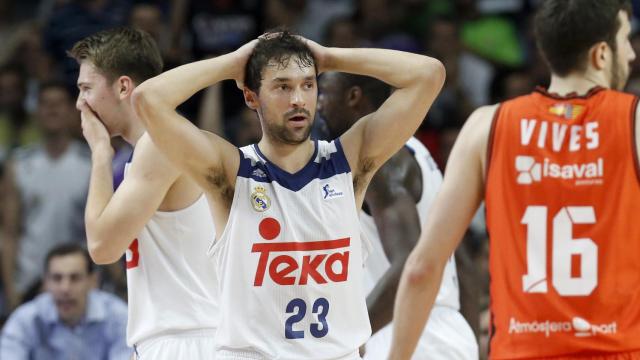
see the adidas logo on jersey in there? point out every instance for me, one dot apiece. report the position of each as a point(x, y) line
point(530, 171)
point(297, 262)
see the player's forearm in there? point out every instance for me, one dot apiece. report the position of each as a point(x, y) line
point(173, 87)
point(396, 68)
point(416, 295)
point(100, 192)
point(381, 299)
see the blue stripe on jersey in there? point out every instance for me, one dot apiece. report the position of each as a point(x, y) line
point(411, 150)
point(319, 167)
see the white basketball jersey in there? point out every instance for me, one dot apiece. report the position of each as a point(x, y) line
point(377, 263)
point(172, 283)
point(292, 259)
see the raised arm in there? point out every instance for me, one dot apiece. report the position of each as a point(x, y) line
point(450, 215)
point(394, 211)
point(203, 156)
point(114, 220)
point(377, 136)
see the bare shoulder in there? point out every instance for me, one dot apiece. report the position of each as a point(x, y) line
point(473, 139)
point(148, 160)
point(479, 122)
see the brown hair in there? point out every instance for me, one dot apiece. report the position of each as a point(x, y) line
point(567, 29)
point(120, 51)
point(279, 46)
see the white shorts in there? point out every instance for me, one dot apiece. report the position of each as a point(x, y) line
point(252, 355)
point(447, 336)
point(196, 345)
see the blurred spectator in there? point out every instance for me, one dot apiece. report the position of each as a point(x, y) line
point(28, 51)
point(308, 18)
point(147, 16)
point(70, 320)
point(343, 32)
point(473, 75)
point(16, 127)
point(47, 186)
point(76, 20)
point(215, 27)
point(511, 84)
point(377, 18)
point(454, 104)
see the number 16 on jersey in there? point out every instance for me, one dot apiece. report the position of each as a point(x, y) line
point(563, 248)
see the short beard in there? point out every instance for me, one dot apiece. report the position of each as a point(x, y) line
point(281, 134)
point(618, 80)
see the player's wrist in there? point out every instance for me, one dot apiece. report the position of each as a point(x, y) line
point(102, 152)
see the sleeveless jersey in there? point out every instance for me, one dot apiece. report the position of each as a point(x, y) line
point(292, 259)
point(563, 202)
point(171, 282)
point(377, 262)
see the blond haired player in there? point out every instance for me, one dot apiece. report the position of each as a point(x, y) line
point(158, 216)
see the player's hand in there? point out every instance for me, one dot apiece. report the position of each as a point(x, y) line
point(94, 130)
point(242, 55)
point(320, 54)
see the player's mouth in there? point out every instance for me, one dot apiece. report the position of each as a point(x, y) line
point(298, 121)
point(298, 118)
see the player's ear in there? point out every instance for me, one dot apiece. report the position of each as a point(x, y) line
point(250, 98)
point(354, 96)
point(598, 55)
point(124, 86)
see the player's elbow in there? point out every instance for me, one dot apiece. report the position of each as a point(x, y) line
point(148, 101)
point(100, 255)
point(421, 270)
point(142, 101)
point(432, 73)
point(99, 249)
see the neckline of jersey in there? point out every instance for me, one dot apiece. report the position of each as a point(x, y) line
point(573, 95)
point(301, 171)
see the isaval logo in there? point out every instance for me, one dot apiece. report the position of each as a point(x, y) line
point(530, 171)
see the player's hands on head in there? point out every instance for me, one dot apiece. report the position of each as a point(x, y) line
point(243, 54)
point(94, 130)
point(320, 54)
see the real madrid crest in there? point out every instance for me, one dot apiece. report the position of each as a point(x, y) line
point(259, 199)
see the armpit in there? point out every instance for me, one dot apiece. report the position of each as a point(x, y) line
point(363, 174)
point(219, 184)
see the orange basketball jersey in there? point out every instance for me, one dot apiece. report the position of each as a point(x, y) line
point(563, 214)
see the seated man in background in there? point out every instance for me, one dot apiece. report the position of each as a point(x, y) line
point(70, 320)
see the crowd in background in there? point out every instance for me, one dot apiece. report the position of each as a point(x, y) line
point(487, 47)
